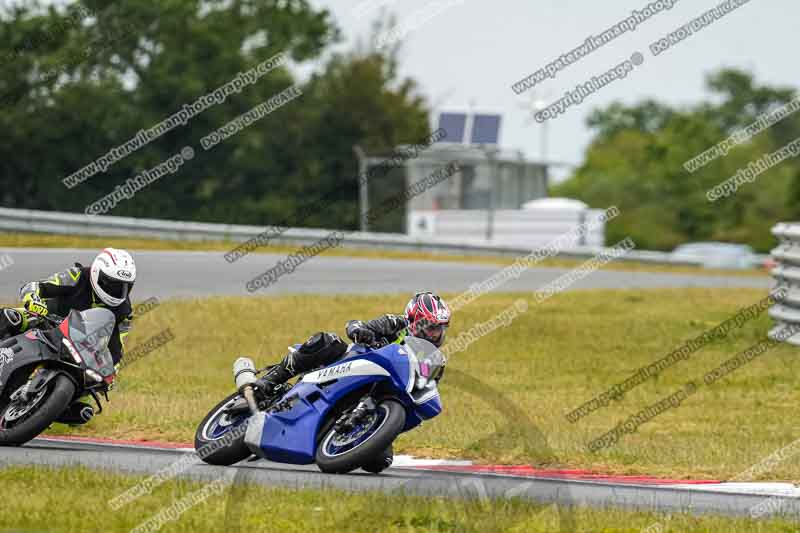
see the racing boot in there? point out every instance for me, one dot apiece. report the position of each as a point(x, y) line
point(277, 375)
point(76, 414)
point(266, 384)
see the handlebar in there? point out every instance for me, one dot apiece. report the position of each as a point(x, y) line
point(53, 320)
point(379, 343)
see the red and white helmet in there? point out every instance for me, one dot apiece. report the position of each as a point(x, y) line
point(113, 274)
point(428, 317)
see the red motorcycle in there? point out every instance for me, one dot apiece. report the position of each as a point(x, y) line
point(44, 370)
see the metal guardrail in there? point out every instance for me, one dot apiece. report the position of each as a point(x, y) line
point(787, 276)
point(27, 220)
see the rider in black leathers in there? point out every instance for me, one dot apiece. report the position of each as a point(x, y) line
point(426, 316)
point(323, 348)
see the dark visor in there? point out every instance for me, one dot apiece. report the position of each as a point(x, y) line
point(433, 333)
point(114, 287)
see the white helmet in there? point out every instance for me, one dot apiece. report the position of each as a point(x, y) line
point(112, 275)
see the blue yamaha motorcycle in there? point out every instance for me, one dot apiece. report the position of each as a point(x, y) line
point(342, 417)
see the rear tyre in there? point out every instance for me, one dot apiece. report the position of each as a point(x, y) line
point(339, 454)
point(21, 423)
point(219, 439)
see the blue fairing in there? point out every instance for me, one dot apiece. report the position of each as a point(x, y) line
point(430, 408)
point(291, 435)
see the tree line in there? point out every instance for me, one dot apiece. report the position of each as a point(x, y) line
point(79, 80)
point(657, 163)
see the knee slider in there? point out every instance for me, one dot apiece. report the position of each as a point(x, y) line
point(12, 316)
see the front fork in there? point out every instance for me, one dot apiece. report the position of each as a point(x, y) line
point(21, 394)
point(366, 405)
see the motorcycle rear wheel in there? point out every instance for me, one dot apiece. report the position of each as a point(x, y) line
point(224, 447)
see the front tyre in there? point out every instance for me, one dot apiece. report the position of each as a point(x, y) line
point(341, 453)
point(219, 439)
point(380, 463)
point(21, 422)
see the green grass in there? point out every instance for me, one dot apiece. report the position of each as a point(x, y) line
point(549, 361)
point(40, 240)
point(76, 499)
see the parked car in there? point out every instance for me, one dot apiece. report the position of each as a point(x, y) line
point(769, 263)
point(717, 255)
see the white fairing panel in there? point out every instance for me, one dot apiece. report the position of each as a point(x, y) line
point(255, 429)
point(359, 367)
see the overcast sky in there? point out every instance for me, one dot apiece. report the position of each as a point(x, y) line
point(473, 50)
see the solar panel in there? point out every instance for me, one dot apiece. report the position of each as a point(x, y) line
point(455, 125)
point(485, 129)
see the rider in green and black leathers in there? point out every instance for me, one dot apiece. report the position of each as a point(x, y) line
point(60, 294)
point(106, 283)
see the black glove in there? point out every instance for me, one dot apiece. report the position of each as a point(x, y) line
point(363, 335)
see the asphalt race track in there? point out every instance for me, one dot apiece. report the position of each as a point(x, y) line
point(198, 274)
point(147, 460)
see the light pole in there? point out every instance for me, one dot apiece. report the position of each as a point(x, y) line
point(363, 190)
point(539, 105)
point(491, 154)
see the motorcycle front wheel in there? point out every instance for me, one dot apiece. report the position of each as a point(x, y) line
point(339, 453)
point(21, 422)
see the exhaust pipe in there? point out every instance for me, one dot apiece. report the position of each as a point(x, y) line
point(244, 374)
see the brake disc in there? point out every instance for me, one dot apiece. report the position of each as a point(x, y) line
point(17, 410)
